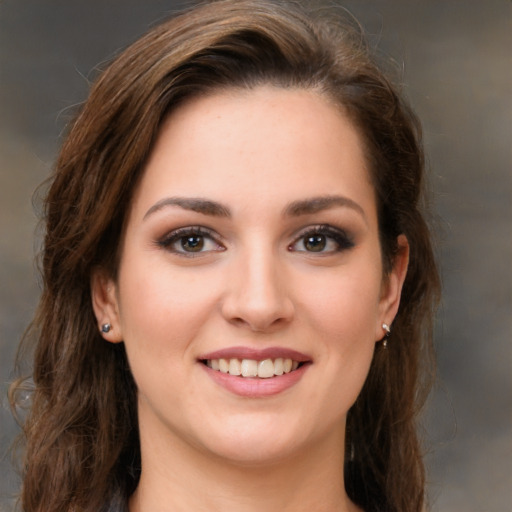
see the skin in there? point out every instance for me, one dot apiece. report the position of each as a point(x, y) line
point(256, 284)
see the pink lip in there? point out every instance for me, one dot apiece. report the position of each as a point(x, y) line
point(254, 387)
point(257, 354)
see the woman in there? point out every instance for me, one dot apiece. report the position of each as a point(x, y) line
point(232, 231)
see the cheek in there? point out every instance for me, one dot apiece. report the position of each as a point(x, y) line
point(341, 315)
point(165, 310)
point(160, 310)
point(345, 303)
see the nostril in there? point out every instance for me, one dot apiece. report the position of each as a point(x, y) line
point(259, 324)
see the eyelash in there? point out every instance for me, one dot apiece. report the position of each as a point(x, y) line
point(179, 235)
point(342, 240)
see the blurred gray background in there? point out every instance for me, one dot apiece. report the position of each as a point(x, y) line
point(455, 57)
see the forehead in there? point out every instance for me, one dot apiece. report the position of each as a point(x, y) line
point(261, 143)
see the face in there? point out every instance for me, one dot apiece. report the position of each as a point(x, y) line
point(251, 248)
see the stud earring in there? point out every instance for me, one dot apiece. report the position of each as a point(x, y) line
point(386, 336)
point(106, 328)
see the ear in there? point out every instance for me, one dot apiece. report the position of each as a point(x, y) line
point(392, 287)
point(105, 305)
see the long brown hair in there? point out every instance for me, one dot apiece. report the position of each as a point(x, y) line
point(82, 448)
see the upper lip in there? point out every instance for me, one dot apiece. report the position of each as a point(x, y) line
point(256, 354)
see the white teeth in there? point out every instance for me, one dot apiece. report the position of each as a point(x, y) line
point(264, 369)
point(235, 367)
point(223, 365)
point(249, 368)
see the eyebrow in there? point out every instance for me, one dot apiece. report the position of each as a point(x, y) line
point(195, 204)
point(320, 203)
point(294, 209)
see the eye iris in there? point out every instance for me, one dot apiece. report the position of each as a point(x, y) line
point(315, 243)
point(192, 243)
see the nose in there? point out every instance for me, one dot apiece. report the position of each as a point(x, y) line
point(258, 296)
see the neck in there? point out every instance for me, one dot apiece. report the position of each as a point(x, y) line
point(188, 479)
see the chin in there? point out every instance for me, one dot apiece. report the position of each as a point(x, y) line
point(254, 454)
point(257, 441)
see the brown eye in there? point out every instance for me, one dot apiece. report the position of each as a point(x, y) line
point(192, 243)
point(322, 239)
point(315, 243)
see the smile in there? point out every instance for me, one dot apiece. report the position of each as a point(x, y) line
point(263, 369)
point(255, 372)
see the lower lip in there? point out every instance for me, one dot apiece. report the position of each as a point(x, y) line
point(254, 387)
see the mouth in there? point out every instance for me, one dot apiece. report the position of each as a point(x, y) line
point(256, 373)
point(254, 368)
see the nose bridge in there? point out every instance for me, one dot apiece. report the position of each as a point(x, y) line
point(258, 294)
